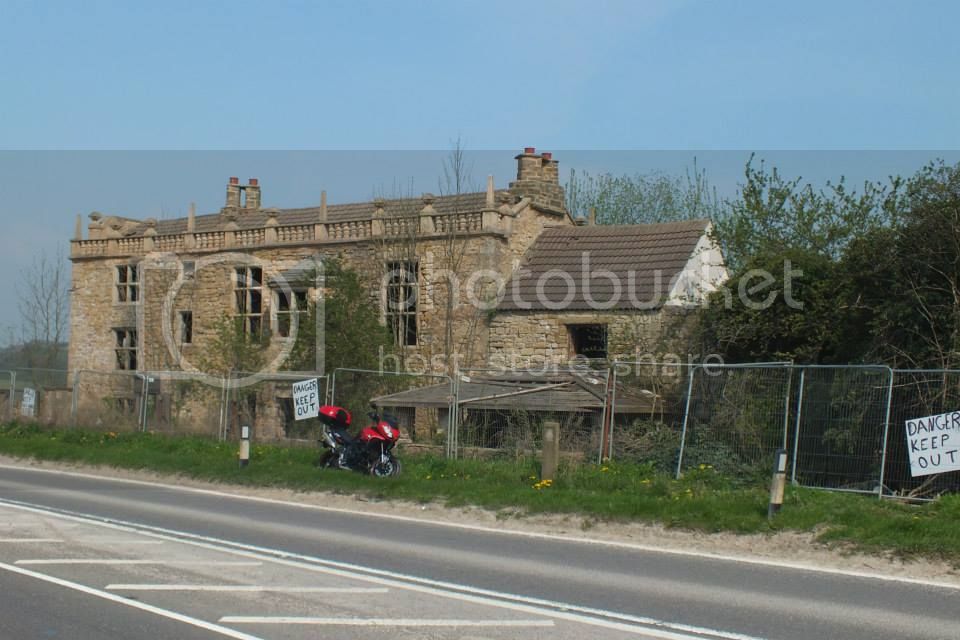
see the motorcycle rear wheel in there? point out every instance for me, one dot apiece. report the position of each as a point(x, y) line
point(385, 469)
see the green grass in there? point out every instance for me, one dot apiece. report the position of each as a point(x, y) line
point(703, 500)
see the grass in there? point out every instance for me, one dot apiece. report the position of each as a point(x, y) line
point(702, 500)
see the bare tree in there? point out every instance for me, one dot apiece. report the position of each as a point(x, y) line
point(43, 300)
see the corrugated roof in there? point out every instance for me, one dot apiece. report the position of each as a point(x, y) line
point(255, 219)
point(634, 254)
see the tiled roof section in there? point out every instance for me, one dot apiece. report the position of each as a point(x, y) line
point(634, 254)
point(466, 202)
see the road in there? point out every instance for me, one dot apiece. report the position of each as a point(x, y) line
point(89, 557)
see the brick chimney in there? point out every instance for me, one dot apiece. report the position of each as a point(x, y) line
point(538, 178)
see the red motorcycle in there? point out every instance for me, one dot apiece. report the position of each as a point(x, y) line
point(369, 452)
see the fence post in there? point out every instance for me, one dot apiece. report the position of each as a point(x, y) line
point(11, 407)
point(886, 433)
point(796, 433)
point(75, 399)
point(786, 406)
point(613, 410)
point(686, 417)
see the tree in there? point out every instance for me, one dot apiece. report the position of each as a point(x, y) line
point(802, 242)
point(43, 300)
point(643, 198)
point(916, 275)
point(772, 215)
point(354, 337)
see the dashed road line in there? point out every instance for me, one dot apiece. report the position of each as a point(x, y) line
point(383, 622)
point(242, 588)
point(124, 561)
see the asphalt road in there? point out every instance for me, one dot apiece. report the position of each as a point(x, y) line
point(439, 581)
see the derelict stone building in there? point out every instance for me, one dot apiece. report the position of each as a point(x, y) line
point(147, 294)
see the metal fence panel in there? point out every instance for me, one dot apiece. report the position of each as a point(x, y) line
point(841, 427)
point(653, 434)
point(736, 417)
point(916, 394)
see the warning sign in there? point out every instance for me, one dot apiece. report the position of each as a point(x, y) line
point(306, 399)
point(934, 444)
point(28, 405)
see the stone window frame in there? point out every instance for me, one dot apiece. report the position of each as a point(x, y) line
point(248, 298)
point(282, 313)
point(126, 348)
point(185, 326)
point(401, 296)
point(126, 279)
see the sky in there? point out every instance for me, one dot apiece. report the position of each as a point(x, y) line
point(139, 109)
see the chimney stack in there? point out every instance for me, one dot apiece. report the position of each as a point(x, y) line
point(252, 193)
point(529, 165)
point(233, 193)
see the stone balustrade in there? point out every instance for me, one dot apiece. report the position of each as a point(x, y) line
point(425, 226)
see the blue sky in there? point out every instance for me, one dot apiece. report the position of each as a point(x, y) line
point(572, 77)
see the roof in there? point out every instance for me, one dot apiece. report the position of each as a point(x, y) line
point(634, 254)
point(257, 218)
point(559, 392)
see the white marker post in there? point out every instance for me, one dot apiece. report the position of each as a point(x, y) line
point(244, 446)
point(778, 483)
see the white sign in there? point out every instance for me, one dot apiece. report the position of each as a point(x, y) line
point(29, 402)
point(934, 444)
point(306, 399)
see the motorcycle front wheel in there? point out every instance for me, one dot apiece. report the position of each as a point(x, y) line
point(385, 468)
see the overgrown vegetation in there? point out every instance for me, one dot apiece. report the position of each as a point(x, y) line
point(704, 499)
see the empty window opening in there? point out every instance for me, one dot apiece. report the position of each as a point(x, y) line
point(401, 301)
point(588, 340)
point(248, 292)
point(286, 311)
point(126, 349)
point(128, 283)
point(186, 327)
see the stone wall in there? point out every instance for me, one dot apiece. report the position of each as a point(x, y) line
point(535, 339)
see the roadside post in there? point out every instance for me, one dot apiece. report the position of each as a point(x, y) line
point(551, 450)
point(778, 482)
point(244, 446)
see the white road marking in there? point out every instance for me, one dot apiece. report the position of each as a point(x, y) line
point(124, 561)
point(384, 622)
point(201, 624)
point(241, 588)
point(652, 628)
point(799, 566)
point(117, 541)
point(28, 540)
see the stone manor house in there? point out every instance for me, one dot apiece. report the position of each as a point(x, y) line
point(532, 284)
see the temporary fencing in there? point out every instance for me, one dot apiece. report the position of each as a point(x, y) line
point(842, 426)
